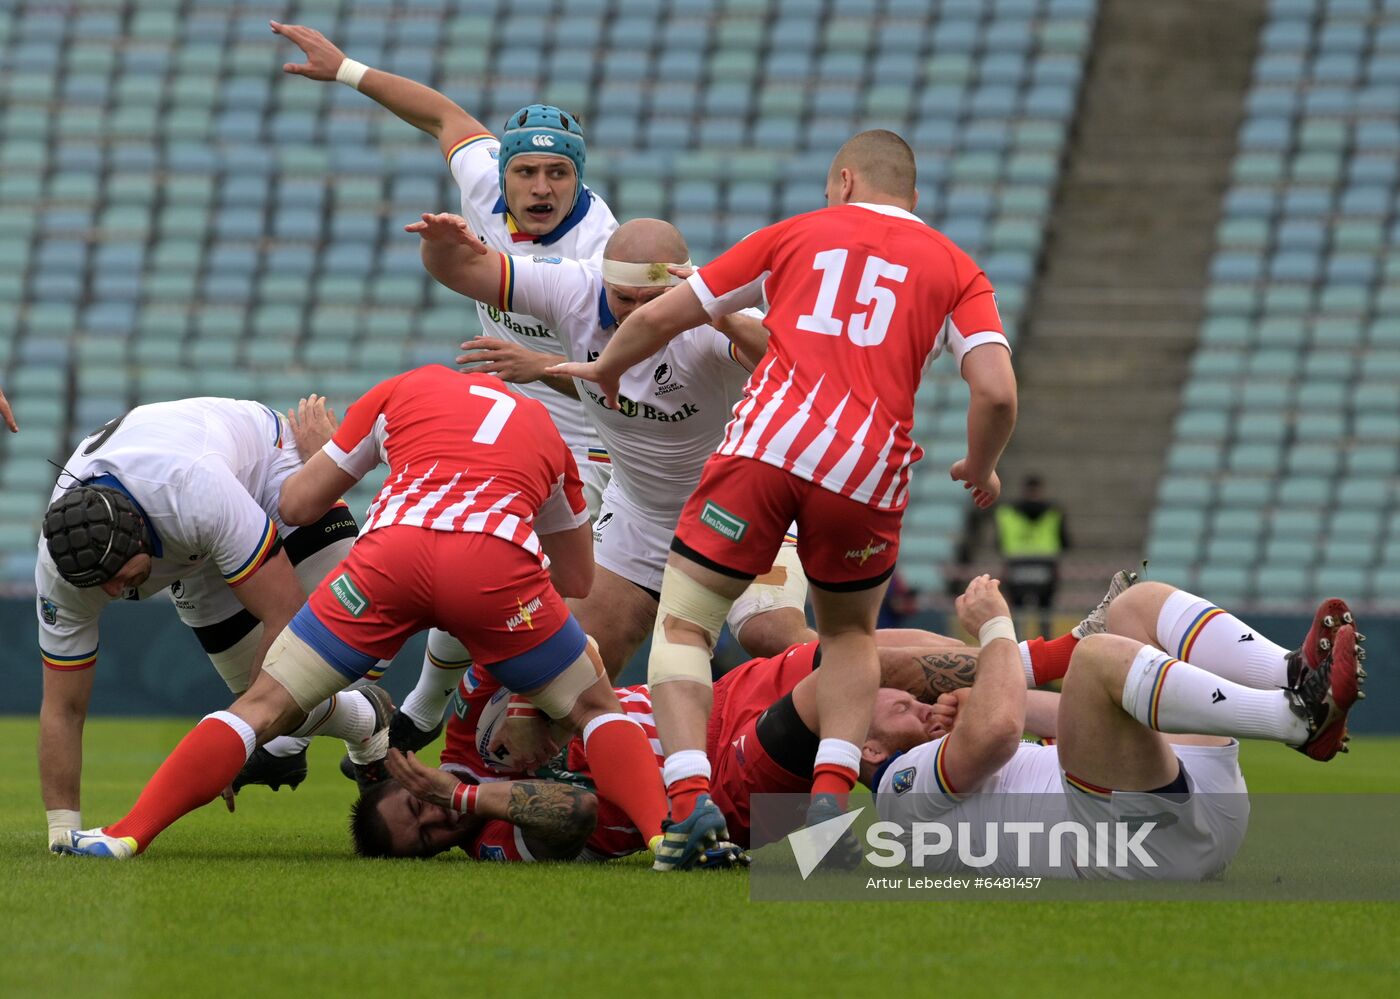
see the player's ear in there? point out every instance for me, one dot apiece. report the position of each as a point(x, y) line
point(873, 753)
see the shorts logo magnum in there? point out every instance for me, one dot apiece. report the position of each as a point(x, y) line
point(344, 590)
point(871, 549)
point(525, 615)
point(722, 522)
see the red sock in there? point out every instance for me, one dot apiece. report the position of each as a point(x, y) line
point(1050, 657)
point(625, 772)
point(684, 793)
point(832, 778)
point(200, 767)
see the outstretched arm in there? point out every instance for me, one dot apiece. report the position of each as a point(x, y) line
point(7, 414)
point(422, 107)
point(61, 717)
point(641, 335)
point(457, 259)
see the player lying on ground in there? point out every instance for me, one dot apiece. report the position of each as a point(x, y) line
point(861, 295)
point(762, 740)
point(1113, 761)
point(182, 495)
point(669, 420)
point(524, 194)
point(481, 494)
point(759, 741)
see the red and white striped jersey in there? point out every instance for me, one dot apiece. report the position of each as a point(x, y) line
point(464, 454)
point(861, 297)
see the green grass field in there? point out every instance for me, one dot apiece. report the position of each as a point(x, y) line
point(270, 902)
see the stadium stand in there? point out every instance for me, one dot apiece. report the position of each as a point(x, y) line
point(177, 217)
point(1279, 485)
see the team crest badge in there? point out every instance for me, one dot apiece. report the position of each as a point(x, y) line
point(904, 780)
point(48, 610)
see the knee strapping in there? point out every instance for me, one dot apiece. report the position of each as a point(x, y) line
point(684, 599)
point(301, 670)
point(559, 695)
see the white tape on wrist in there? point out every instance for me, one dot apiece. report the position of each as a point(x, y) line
point(997, 627)
point(62, 821)
point(351, 73)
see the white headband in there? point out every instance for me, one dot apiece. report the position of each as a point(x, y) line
point(640, 275)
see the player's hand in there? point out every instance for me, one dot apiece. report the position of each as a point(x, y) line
point(507, 361)
point(313, 424)
point(322, 58)
point(680, 270)
point(945, 711)
point(7, 414)
point(526, 740)
point(229, 795)
point(984, 492)
point(423, 782)
point(445, 227)
point(980, 602)
point(591, 371)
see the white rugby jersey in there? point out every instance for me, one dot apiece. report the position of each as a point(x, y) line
point(474, 164)
point(206, 474)
point(672, 410)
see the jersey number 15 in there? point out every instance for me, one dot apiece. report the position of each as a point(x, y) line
point(865, 329)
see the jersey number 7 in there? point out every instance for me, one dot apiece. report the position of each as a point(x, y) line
point(864, 329)
point(502, 405)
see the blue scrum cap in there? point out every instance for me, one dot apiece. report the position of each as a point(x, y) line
point(546, 130)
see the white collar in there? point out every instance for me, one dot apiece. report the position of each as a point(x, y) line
point(894, 210)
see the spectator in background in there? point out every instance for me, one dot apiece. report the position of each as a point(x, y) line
point(1031, 536)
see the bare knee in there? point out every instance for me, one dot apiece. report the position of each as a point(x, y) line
point(772, 632)
point(1135, 611)
point(1100, 661)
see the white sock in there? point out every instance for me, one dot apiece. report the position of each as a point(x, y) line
point(1026, 666)
point(444, 664)
point(1196, 631)
point(1169, 695)
point(686, 763)
point(369, 750)
point(839, 753)
point(347, 715)
point(286, 745)
point(244, 730)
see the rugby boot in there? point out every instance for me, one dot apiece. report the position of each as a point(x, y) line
point(1331, 614)
point(1324, 695)
point(846, 852)
point(683, 843)
point(1096, 622)
point(96, 843)
point(406, 736)
point(273, 771)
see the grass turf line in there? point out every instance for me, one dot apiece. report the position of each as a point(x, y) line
point(269, 902)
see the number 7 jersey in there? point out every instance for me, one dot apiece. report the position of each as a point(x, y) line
point(861, 297)
point(464, 454)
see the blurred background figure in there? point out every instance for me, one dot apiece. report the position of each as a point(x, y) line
point(1031, 536)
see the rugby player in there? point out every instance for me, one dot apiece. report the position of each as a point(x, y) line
point(182, 495)
point(524, 194)
point(478, 529)
point(760, 739)
point(670, 420)
point(1114, 760)
point(861, 294)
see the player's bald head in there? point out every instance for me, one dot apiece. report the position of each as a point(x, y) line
point(878, 160)
point(646, 241)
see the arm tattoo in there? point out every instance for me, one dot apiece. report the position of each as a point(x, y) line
point(556, 817)
point(945, 671)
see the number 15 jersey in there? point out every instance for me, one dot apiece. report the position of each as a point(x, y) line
point(464, 454)
point(860, 297)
